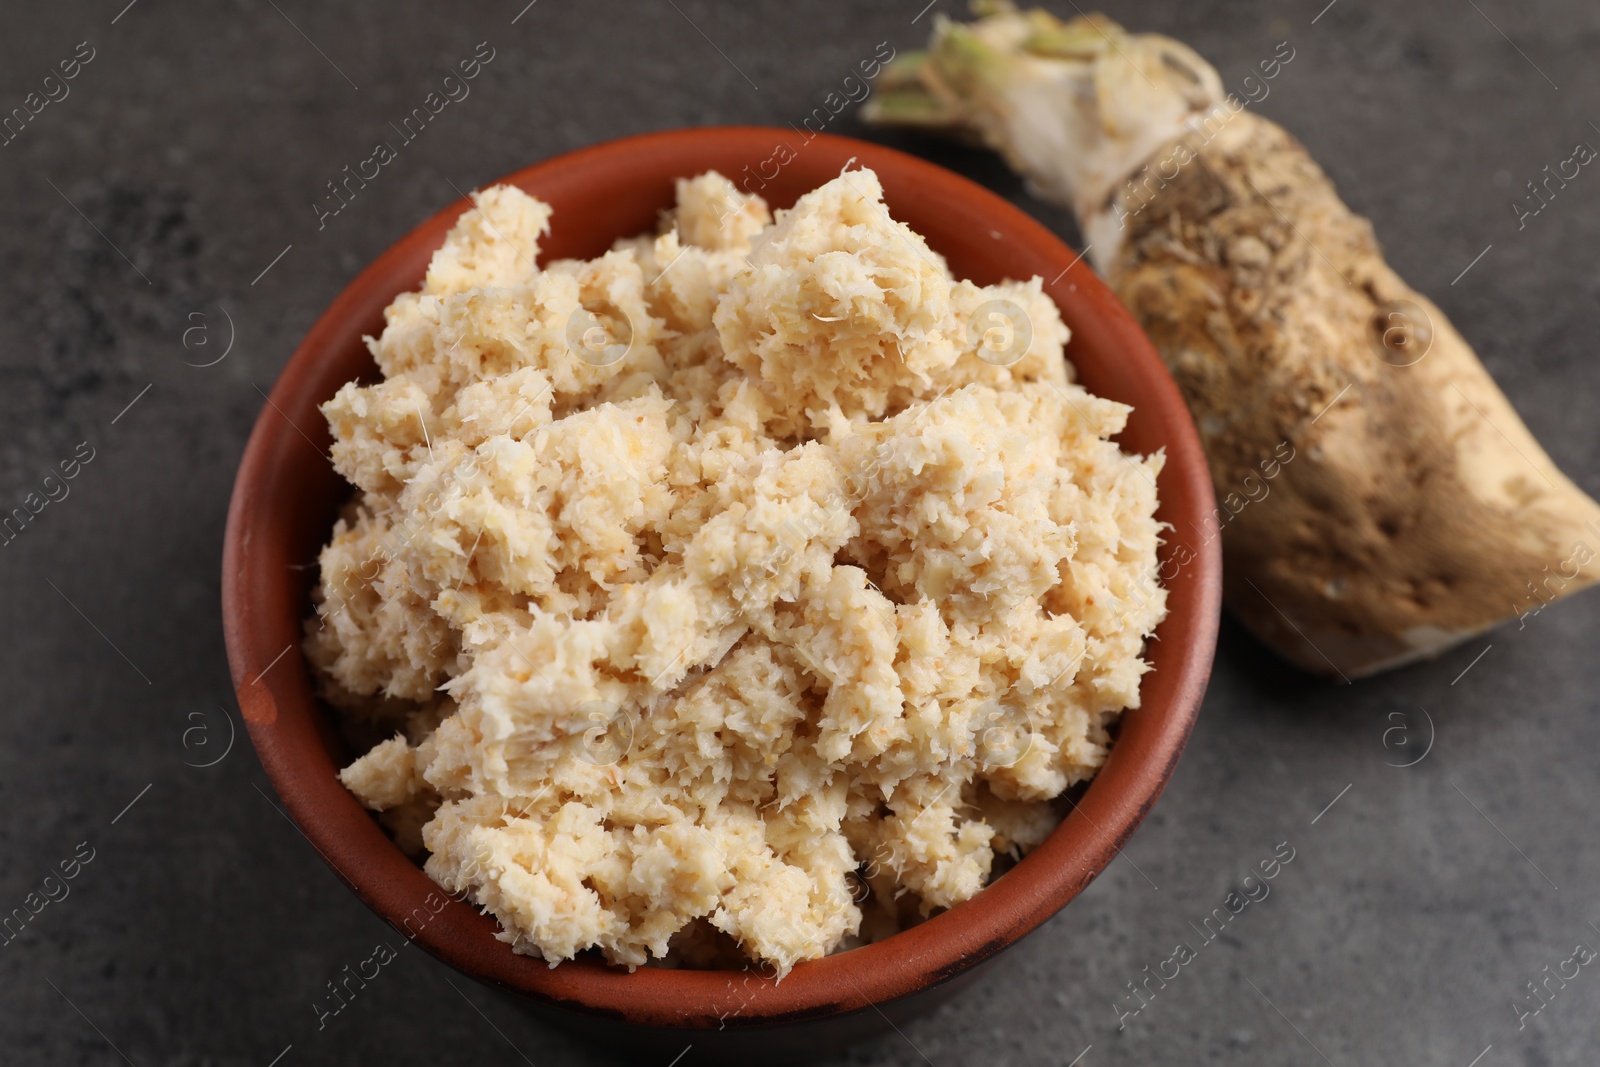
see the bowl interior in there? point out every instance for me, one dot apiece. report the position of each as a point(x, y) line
point(286, 496)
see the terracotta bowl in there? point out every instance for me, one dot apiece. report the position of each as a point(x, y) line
point(286, 495)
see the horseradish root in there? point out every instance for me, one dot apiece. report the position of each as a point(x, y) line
point(1410, 507)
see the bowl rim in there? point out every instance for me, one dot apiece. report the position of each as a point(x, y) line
point(287, 725)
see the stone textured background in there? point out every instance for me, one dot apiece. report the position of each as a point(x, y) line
point(1417, 906)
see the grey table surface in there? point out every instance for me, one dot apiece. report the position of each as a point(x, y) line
point(156, 196)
